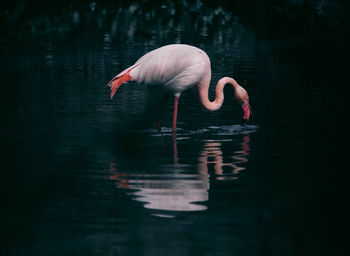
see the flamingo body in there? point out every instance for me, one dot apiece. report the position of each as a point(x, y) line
point(175, 67)
point(178, 67)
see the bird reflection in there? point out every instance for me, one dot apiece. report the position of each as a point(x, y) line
point(212, 155)
point(177, 187)
point(172, 189)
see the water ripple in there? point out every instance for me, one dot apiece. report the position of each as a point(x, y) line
point(215, 130)
point(181, 187)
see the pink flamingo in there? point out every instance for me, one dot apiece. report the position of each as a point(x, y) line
point(178, 67)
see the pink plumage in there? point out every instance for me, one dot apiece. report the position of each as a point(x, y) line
point(176, 68)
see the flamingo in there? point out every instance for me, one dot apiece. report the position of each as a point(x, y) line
point(176, 68)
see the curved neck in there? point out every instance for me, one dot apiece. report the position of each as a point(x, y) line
point(203, 90)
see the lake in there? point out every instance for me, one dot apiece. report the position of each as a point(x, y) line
point(87, 175)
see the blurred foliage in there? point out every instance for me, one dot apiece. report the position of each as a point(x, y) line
point(278, 16)
point(126, 20)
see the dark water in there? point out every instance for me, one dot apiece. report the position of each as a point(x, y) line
point(86, 175)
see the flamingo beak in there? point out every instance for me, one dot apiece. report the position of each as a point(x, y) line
point(247, 112)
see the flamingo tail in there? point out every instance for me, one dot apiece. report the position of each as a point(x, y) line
point(118, 80)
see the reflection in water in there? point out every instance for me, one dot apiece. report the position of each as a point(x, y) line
point(175, 187)
point(212, 154)
point(171, 190)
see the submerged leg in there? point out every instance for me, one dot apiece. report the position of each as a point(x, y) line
point(175, 149)
point(176, 102)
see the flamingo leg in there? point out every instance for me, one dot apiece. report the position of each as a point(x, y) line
point(176, 102)
point(175, 149)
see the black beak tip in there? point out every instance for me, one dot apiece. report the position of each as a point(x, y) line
point(244, 121)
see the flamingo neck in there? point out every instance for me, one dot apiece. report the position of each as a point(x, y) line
point(203, 90)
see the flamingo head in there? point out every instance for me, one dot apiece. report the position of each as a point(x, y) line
point(243, 98)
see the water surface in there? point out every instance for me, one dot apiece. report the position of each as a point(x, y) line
point(90, 175)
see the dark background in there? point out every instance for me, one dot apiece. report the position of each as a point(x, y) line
point(310, 36)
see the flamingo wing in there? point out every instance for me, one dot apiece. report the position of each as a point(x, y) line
point(175, 67)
